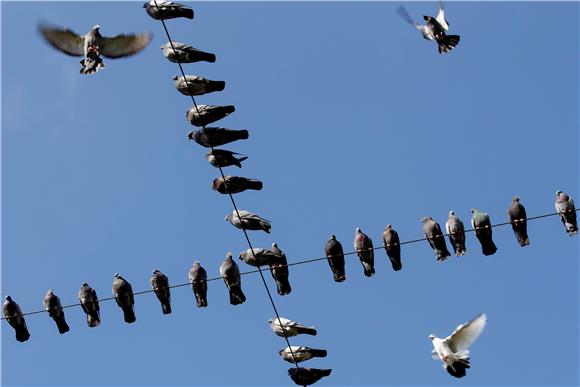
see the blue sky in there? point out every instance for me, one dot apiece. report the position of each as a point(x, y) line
point(354, 120)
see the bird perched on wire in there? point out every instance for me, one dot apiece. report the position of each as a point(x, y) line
point(280, 272)
point(90, 304)
point(289, 328)
point(198, 278)
point(54, 308)
point(221, 158)
point(518, 218)
point(456, 232)
point(92, 45)
point(483, 231)
point(434, 236)
point(163, 10)
point(297, 354)
point(160, 284)
point(335, 255)
point(230, 272)
point(392, 246)
point(192, 85)
point(567, 210)
point(364, 249)
point(13, 314)
point(235, 184)
point(209, 137)
point(123, 292)
point(307, 376)
point(248, 220)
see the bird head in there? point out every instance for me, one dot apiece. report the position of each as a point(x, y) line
point(432, 336)
point(388, 227)
point(357, 230)
point(424, 219)
point(451, 213)
point(280, 352)
point(516, 198)
point(49, 291)
point(117, 275)
point(96, 27)
point(473, 210)
point(175, 77)
point(270, 320)
point(145, 5)
point(333, 237)
point(228, 216)
point(427, 18)
point(8, 298)
point(275, 245)
point(156, 271)
point(558, 192)
point(86, 285)
point(229, 255)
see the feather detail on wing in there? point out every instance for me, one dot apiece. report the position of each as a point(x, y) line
point(441, 17)
point(124, 45)
point(465, 334)
point(63, 40)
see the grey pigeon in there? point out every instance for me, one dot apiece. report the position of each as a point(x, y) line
point(259, 257)
point(249, 221)
point(518, 218)
point(198, 279)
point(364, 249)
point(456, 232)
point(202, 115)
point(92, 45)
point(210, 137)
point(280, 272)
point(177, 52)
point(221, 158)
point(307, 376)
point(392, 246)
point(482, 226)
point(54, 308)
point(163, 10)
point(193, 85)
point(235, 184)
point(288, 328)
point(160, 284)
point(567, 210)
point(432, 232)
point(298, 354)
point(123, 293)
point(13, 314)
point(90, 304)
point(231, 274)
point(335, 255)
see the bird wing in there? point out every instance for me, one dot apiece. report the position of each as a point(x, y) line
point(63, 40)
point(402, 12)
point(465, 334)
point(441, 17)
point(124, 45)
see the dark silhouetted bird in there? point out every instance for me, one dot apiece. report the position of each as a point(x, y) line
point(279, 271)
point(392, 246)
point(90, 304)
point(13, 314)
point(518, 218)
point(235, 184)
point(432, 232)
point(54, 308)
point(335, 255)
point(123, 293)
point(193, 85)
point(209, 137)
point(160, 284)
point(364, 249)
point(482, 225)
point(307, 376)
point(456, 232)
point(259, 257)
point(198, 279)
point(163, 10)
point(231, 274)
point(221, 158)
point(202, 115)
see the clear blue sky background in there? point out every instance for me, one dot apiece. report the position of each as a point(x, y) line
point(354, 120)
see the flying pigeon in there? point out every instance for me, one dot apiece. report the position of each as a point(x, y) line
point(250, 221)
point(432, 232)
point(289, 328)
point(364, 249)
point(307, 376)
point(300, 353)
point(198, 279)
point(392, 246)
point(193, 85)
point(160, 284)
point(13, 314)
point(482, 226)
point(90, 304)
point(235, 184)
point(231, 274)
point(567, 210)
point(92, 45)
point(456, 232)
point(177, 52)
point(54, 308)
point(163, 10)
point(209, 137)
point(335, 256)
point(453, 350)
point(202, 115)
point(221, 158)
point(123, 293)
point(259, 257)
point(518, 219)
point(279, 271)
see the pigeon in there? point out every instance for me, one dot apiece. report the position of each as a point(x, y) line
point(163, 10)
point(453, 350)
point(13, 314)
point(279, 271)
point(364, 249)
point(289, 328)
point(92, 45)
point(432, 232)
point(518, 219)
point(198, 279)
point(210, 137)
point(123, 293)
point(160, 284)
point(221, 158)
point(307, 376)
point(177, 52)
point(54, 308)
point(296, 354)
point(231, 274)
point(259, 257)
point(193, 85)
point(456, 232)
point(250, 221)
point(567, 210)
point(90, 304)
point(482, 226)
point(235, 184)
point(392, 246)
point(335, 256)
point(202, 115)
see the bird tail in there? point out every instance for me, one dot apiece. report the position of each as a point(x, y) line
point(93, 319)
point(396, 263)
point(522, 238)
point(166, 307)
point(339, 275)
point(238, 162)
point(184, 12)
point(369, 270)
point(129, 314)
point(306, 330)
point(318, 352)
point(442, 253)
point(448, 43)
point(206, 57)
point(237, 296)
point(488, 248)
point(240, 135)
point(201, 301)
point(22, 333)
point(254, 184)
point(216, 86)
point(266, 226)
point(62, 325)
point(283, 286)
point(324, 372)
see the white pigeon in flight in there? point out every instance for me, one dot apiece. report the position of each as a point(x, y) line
point(453, 350)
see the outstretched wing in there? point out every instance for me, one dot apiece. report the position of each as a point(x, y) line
point(124, 45)
point(465, 334)
point(63, 40)
point(441, 17)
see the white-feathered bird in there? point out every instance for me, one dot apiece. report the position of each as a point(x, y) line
point(297, 354)
point(291, 328)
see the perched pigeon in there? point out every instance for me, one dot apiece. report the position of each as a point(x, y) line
point(231, 274)
point(123, 293)
point(198, 279)
point(209, 137)
point(296, 354)
point(453, 350)
point(432, 232)
point(235, 184)
point(567, 210)
point(259, 257)
point(482, 226)
point(90, 304)
point(456, 232)
point(364, 249)
point(177, 52)
point(221, 158)
point(518, 219)
point(202, 115)
point(307, 376)
point(250, 221)
point(392, 246)
point(335, 256)
point(289, 328)
point(92, 45)
point(54, 308)
point(280, 273)
point(163, 10)
point(193, 85)
point(160, 285)
point(13, 314)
